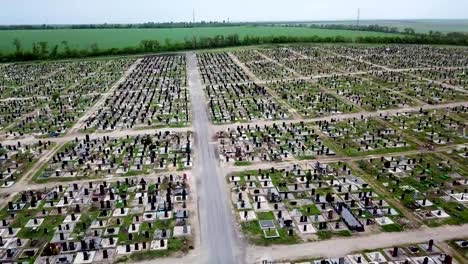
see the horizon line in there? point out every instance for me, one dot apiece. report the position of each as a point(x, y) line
point(234, 21)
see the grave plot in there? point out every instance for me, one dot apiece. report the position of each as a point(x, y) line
point(431, 185)
point(417, 88)
point(15, 160)
point(280, 54)
point(231, 103)
point(129, 156)
point(458, 111)
point(268, 70)
point(424, 253)
point(73, 77)
point(455, 77)
point(15, 75)
point(263, 68)
point(390, 79)
point(219, 68)
point(393, 56)
point(309, 51)
point(433, 127)
point(98, 77)
point(352, 51)
point(317, 62)
point(248, 55)
point(280, 142)
point(13, 110)
point(52, 103)
point(445, 57)
point(426, 91)
point(364, 93)
point(327, 65)
point(309, 100)
point(163, 71)
point(460, 245)
point(459, 154)
point(53, 117)
point(297, 203)
point(364, 137)
point(142, 108)
point(310, 67)
point(405, 56)
point(58, 83)
point(98, 222)
point(154, 95)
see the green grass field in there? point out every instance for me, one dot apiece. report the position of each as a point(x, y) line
point(119, 38)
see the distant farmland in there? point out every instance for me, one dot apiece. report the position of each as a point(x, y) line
point(419, 25)
point(120, 38)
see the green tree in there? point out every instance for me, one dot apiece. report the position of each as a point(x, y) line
point(168, 43)
point(44, 48)
point(66, 48)
point(194, 42)
point(149, 45)
point(94, 48)
point(18, 46)
point(54, 52)
point(154, 45)
point(233, 40)
point(409, 31)
point(144, 45)
point(36, 49)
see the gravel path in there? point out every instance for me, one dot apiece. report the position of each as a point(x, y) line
point(217, 226)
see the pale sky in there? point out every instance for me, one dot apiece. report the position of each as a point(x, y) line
point(137, 11)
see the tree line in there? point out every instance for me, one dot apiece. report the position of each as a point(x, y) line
point(44, 51)
point(373, 28)
point(129, 26)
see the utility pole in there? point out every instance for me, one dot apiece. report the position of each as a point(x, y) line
point(193, 16)
point(358, 16)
